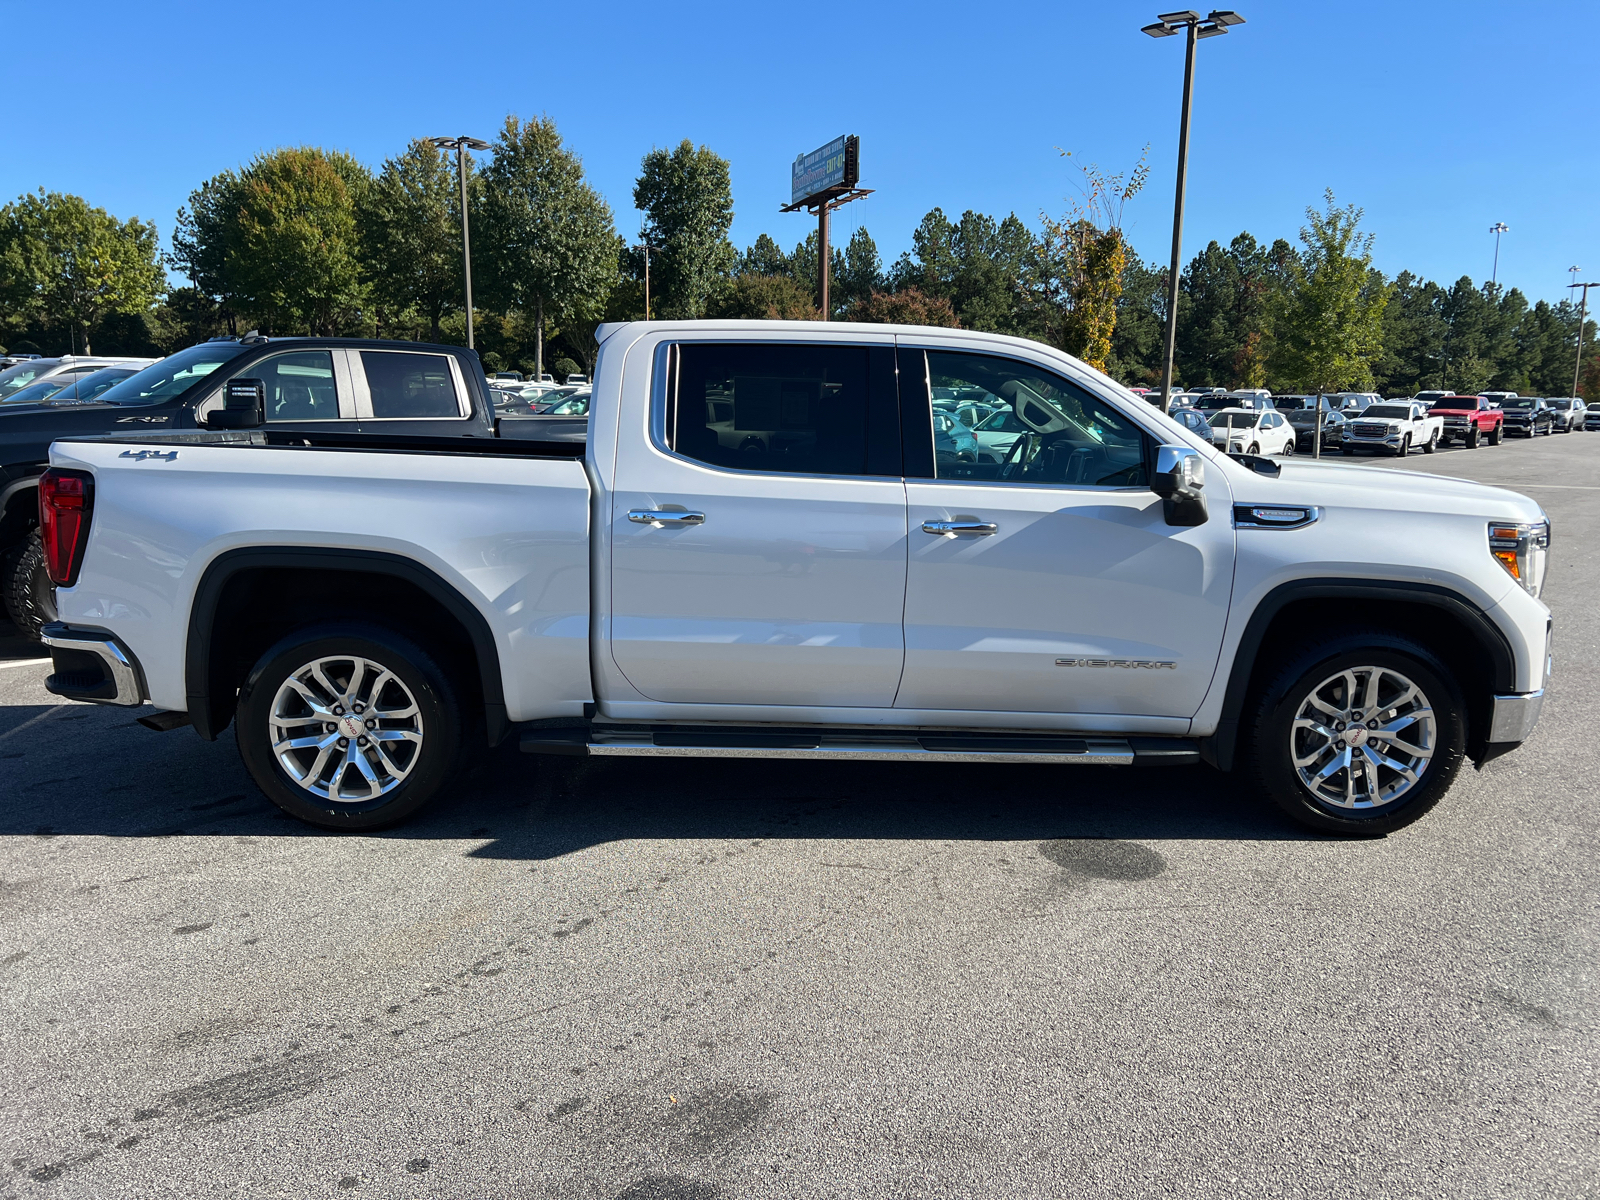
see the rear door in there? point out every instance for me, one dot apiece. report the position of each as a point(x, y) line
point(758, 527)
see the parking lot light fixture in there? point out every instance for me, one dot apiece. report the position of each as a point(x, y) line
point(1497, 229)
point(461, 145)
point(1215, 24)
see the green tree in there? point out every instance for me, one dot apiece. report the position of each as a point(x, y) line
point(411, 233)
point(764, 257)
point(686, 195)
point(978, 265)
point(1329, 329)
point(1223, 313)
point(1141, 314)
point(549, 246)
point(764, 298)
point(72, 266)
point(206, 242)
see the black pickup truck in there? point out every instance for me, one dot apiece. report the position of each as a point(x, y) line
point(307, 389)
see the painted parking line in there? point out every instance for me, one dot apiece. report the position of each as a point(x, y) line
point(25, 662)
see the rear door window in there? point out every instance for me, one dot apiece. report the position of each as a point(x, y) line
point(406, 386)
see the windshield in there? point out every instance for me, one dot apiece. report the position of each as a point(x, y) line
point(1392, 412)
point(14, 379)
point(36, 392)
point(576, 407)
point(1523, 402)
point(1239, 420)
point(172, 375)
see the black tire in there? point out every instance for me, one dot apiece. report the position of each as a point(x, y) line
point(1471, 441)
point(1347, 450)
point(430, 769)
point(1405, 447)
point(30, 596)
point(1288, 450)
point(1498, 432)
point(1254, 449)
point(1429, 446)
point(1269, 730)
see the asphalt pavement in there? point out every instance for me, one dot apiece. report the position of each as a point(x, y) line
point(704, 980)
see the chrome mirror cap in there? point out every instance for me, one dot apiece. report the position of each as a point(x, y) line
point(1180, 480)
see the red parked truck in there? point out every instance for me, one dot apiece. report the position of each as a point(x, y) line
point(1469, 420)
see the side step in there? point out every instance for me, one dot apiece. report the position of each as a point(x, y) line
point(860, 745)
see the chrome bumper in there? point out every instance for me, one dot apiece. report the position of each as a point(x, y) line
point(92, 665)
point(1515, 716)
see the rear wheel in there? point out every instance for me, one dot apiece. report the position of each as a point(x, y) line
point(349, 726)
point(30, 596)
point(1498, 431)
point(1361, 733)
point(1429, 445)
point(1288, 448)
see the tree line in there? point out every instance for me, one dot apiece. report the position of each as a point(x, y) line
point(310, 241)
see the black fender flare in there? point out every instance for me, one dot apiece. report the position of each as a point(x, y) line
point(1219, 748)
point(203, 614)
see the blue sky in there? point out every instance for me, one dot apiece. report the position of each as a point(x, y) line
point(1438, 119)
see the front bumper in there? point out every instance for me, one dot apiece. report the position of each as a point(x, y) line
point(93, 665)
point(1513, 717)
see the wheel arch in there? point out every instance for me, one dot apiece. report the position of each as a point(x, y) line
point(417, 598)
point(1461, 634)
point(19, 508)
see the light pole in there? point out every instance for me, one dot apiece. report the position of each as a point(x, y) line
point(647, 247)
point(461, 145)
point(1167, 24)
point(1497, 229)
point(1583, 314)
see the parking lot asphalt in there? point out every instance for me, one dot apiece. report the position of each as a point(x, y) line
point(707, 980)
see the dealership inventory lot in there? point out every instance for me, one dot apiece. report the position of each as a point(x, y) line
point(686, 978)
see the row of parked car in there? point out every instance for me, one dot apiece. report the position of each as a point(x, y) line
point(1257, 422)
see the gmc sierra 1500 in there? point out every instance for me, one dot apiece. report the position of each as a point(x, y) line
point(763, 549)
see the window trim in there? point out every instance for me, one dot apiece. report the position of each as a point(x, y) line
point(665, 371)
point(363, 395)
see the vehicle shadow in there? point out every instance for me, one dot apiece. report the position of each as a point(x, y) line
point(516, 806)
point(14, 646)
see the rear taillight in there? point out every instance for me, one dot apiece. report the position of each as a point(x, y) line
point(66, 500)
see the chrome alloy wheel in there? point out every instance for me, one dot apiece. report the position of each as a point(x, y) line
point(346, 729)
point(1363, 738)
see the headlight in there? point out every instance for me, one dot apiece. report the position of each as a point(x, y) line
point(1522, 550)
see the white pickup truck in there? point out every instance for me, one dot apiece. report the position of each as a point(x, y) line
point(1394, 427)
point(763, 550)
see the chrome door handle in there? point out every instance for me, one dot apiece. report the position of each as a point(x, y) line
point(980, 528)
point(667, 517)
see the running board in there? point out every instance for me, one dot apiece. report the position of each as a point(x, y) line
point(861, 745)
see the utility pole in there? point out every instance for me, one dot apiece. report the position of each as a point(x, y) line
point(1167, 24)
point(1497, 229)
point(647, 247)
point(1583, 314)
point(461, 145)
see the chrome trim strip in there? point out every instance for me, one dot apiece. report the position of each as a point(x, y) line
point(121, 667)
point(1097, 752)
point(1515, 716)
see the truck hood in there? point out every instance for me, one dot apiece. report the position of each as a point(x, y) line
point(1336, 485)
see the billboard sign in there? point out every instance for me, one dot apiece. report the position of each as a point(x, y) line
point(836, 165)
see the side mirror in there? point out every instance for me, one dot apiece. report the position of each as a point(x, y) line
point(1180, 481)
point(244, 406)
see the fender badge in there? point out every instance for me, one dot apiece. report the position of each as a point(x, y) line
point(1147, 663)
point(141, 455)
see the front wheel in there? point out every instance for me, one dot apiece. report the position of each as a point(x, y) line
point(1361, 733)
point(1405, 447)
point(349, 726)
point(1254, 448)
point(30, 596)
point(1471, 442)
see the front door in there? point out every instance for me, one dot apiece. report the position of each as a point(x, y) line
point(759, 537)
point(1042, 575)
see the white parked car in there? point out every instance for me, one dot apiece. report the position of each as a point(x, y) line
point(826, 581)
point(1252, 431)
point(1393, 428)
